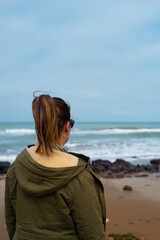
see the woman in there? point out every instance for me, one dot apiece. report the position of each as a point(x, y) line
point(52, 194)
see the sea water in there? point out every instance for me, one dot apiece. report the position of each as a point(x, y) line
point(134, 142)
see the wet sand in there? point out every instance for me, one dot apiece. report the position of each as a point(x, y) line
point(137, 211)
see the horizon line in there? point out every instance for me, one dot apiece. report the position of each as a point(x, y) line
point(2, 122)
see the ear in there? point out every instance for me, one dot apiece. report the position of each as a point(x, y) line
point(67, 127)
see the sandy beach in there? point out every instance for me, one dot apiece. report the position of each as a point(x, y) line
point(3, 232)
point(136, 211)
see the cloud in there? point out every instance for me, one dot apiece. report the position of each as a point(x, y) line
point(90, 52)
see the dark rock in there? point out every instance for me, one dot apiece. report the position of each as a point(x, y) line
point(127, 188)
point(139, 168)
point(4, 167)
point(101, 165)
point(120, 167)
point(122, 163)
point(155, 161)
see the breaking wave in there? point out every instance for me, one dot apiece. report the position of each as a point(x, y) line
point(18, 131)
point(115, 131)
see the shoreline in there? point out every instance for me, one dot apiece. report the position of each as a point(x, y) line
point(136, 211)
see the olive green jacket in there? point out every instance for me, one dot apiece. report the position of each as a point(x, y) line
point(43, 203)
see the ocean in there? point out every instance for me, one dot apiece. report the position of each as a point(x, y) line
point(134, 142)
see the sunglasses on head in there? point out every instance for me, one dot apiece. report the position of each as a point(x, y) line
point(71, 121)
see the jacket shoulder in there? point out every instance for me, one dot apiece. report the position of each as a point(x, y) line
point(11, 169)
point(81, 156)
point(11, 175)
point(84, 180)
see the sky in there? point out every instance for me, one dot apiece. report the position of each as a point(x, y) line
point(102, 57)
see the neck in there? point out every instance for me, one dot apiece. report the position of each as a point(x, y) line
point(60, 148)
point(62, 140)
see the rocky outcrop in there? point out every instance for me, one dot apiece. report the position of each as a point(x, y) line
point(101, 166)
point(121, 168)
point(155, 162)
point(127, 188)
point(4, 167)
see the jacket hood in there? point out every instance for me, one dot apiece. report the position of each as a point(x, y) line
point(38, 180)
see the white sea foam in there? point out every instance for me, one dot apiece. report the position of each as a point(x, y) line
point(114, 131)
point(80, 145)
point(106, 131)
point(128, 156)
point(135, 143)
point(18, 131)
point(9, 158)
point(128, 150)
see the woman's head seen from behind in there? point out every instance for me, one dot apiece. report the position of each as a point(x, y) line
point(50, 115)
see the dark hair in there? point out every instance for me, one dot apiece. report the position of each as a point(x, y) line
point(50, 115)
